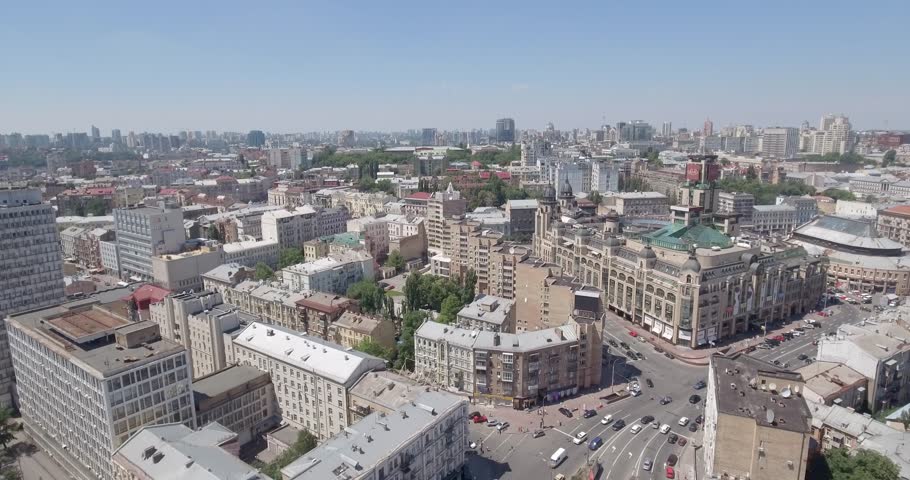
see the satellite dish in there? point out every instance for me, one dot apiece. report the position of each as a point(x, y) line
point(773, 387)
point(769, 416)
point(786, 393)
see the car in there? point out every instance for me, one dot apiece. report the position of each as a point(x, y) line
point(589, 413)
point(683, 421)
point(502, 426)
point(613, 343)
point(633, 333)
point(671, 473)
point(693, 427)
point(537, 433)
point(796, 333)
point(658, 349)
point(641, 356)
point(474, 414)
point(776, 362)
point(694, 399)
point(480, 419)
point(647, 464)
point(595, 443)
point(647, 419)
point(669, 355)
point(699, 385)
point(665, 429)
point(472, 445)
point(666, 400)
point(672, 438)
point(492, 422)
point(606, 420)
point(699, 419)
point(814, 342)
point(618, 425)
point(635, 392)
point(642, 339)
point(800, 329)
point(635, 429)
point(624, 345)
point(682, 441)
point(649, 382)
point(565, 411)
point(579, 438)
point(631, 354)
point(802, 356)
point(672, 459)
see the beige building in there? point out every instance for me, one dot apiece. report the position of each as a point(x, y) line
point(489, 313)
point(240, 397)
point(271, 302)
point(442, 206)
point(183, 271)
point(206, 332)
point(319, 310)
point(382, 391)
point(894, 224)
point(757, 424)
point(639, 204)
point(831, 383)
point(353, 328)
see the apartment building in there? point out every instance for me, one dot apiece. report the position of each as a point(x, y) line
point(252, 252)
point(291, 228)
point(521, 216)
point(375, 234)
point(206, 332)
point(239, 397)
point(639, 204)
point(183, 271)
point(32, 266)
point(312, 377)
point(402, 226)
point(894, 223)
point(361, 204)
point(524, 369)
point(319, 310)
point(178, 451)
point(383, 391)
point(332, 274)
point(768, 219)
point(88, 379)
point(423, 440)
point(223, 277)
point(488, 313)
point(665, 180)
point(88, 247)
point(442, 206)
point(352, 328)
point(736, 203)
point(271, 302)
point(110, 257)
point(503, 261)
point(146, 232)
point(757, 425)
point(68, 240)
point(806, 207)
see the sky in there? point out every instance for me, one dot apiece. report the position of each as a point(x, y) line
point(302, 66)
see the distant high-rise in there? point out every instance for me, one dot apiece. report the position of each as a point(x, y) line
point(255, 138)
point(666, 130)
point(116, 139)
point(505, 130)
point(780, 142)
point(96, 134)
point(708, 129)
point(346, 138)
point(428, 136)
point(634, 130)
point(837, 138)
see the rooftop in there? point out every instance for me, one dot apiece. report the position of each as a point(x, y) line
point(324, 302)
point(829, 378)
point(247, 244)
point(516, 204)
point(85, 326)
point(178, 452)
point(371, 440)
point(849, 234)
point(678, 236)
point(225, 380)
point(358, 322)
point(739, 391)
point(387, 389)
point(640, 195)
point(328, 263)
point(225, 273)
point(312, 354)
point(774, 208)
point(487, 309)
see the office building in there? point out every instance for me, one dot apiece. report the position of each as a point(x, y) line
point(639, 204)
point(375, 234)
point(735, 203)
point(183, 271)
point(428, 137)
point(176, 451)
point(806, 207)
point(291, 228)
point(312, 377)
point(441, 207)
point(332, 274)
point(757, 424)
point(666, 130)
point(576, 173)
point(708, 128)
point(172, 313)
point(505, 130)
point(605, 175)
point(768, 219)
point(423, 440)
point(239, 397)
point(32, 266)
point(287, 158)
point(521, 216)
point(255, 138)
point(352, 328)
point(206, 332)
point(780, 142)
point(146, 232)
point(88, 379)
point(837, 137)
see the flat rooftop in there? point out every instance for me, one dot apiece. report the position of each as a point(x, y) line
point(226, 380)
point(86, 326)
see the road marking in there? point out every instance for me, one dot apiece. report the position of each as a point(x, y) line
point(637, 467)
point(631, 437)
point(564, 433)
point(657, 459)
point(512, 448)
point(488, 436)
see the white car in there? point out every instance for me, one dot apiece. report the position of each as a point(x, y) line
point(579, 438)
point(606, 420)
point(635, 429)
point(635, 392)
point(796, 333)
point(684, 421)
point(665, 429)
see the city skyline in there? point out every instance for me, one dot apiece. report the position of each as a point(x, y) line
point(372, 67)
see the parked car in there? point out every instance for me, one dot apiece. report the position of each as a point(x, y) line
point(613, 343)
point(579, 438)
point(606, 420)
point(693, 427)
point(699, 419)
point(647, 464)
point(694, 399)
point(802, 356)
point(671, 474)
point(633, 333)
point(589, 413)
point(647, 419)
point(665, 429)
point(492, 422)
point(699, 385)
point(669, 355)
point(624, 345)
point(474, 414)
point(671, 460)
point(502, 426)
point(682, 441)
point(658, 349)
point(618, 425)
point(666, 400)
point(480, 419)
point(635, 429)
point(683, 421)
point(565, 411)
point(537, 433)
point(672, 438)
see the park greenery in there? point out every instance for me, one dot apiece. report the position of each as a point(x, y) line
point(8, 429)
point(289, 256)
point(410, 322)
point(889, 158)
point(839, 194)
point(842, 464)
point(370, 347)
point(395, 260)
point(493, 193)
point(370, 296)
point(305, 442)
point(848, 158)
point(368, 184)
point(764, 193)
point(264, 272)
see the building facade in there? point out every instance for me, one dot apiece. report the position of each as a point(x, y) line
point(332, 274)
point(768, 219)
point(239, 397)
point(146, 232)
point(442, 206)
point(735, 203)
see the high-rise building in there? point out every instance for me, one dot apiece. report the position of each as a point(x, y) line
point(288, 158)
point(346, 138)
point(666, 129)
point(131, 141)
point(780, 142)
point(708, 129)
point(116, 138)
point(428, 137)
point(96, 134)
point(505, 130)
point(837, 137)
point(442, 206)
point(32, 266)
point(144, 232)
point(255, 138)
point(89, 378)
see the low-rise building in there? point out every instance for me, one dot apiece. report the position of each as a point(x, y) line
point(319, 310)
point(183, 271)
point(489, 313)
point(240, 397)
point(736, 203)
point(420, 441)
point(832, 383)
point(756, 423)
point(252, 252)
point(384, 391)
point(639, 204)
point(353, 328)
point(222, 277)
point(332, 274)
point(271, 302)
point(768, 219)
point(894, 224)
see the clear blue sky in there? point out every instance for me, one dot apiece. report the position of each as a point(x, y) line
point(303, 66)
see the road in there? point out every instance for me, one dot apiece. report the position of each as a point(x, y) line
point(517, 455)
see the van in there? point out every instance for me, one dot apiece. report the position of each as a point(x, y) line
point(558, 457)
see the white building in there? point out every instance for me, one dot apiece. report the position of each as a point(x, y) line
point(252, 252)
point(401, 226)
point(311, 376)
point(145, 232)
point(768, 219)
point(836, 137)
point(183, 271)
point(780, 142)
point(605, 176)
point(206, 332)
point(375, 232)
point(290, 228)
point(289, 158)
point(68, 240)
point(332, 274)
point(110, 257)
point(88, 380)
point(31, 262)
point(423, 440)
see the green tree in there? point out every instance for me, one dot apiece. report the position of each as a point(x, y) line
point(7, 428)
point(370, 347)
point(96, 207)
point(654, 160)
point(385, 185)
point(841, 464)
point(289, 256)
point(449, 311)
point(305, 442)
point(839, 194)
point(264, 272)
point(369, 294)
point(214, 233)
point(889, 158)
point(905, 419)
point(395, 260)
point(410, 322)
point(751, 174)
point(595, 197)
point(413, 296)
point(468, 285)
point(725, 162)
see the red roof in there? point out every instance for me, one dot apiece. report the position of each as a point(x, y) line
point(147, 294)
point(502, 175)
point(225, 179)
point(903, 210)
point(475, 163)
point(168, 191)
point(420, 196)
point(99, 191)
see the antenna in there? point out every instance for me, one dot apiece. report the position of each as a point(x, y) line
point(769, 416)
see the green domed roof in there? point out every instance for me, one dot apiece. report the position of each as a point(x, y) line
point(681, 237)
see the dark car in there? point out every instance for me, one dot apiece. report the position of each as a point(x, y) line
point(565, 411)
point(666, 400)
point(669, 355)
point(649, 382)
point(647, 419)
point(631, 354)
point(672, 438)
point(658, 349)
point(802, 356)
point(699, 385)
point(624, 345)
point(693, 427)
point(671, 460)
point(618, 425)
point(699, 419)
point(694, 399)
point(589, 413)
point(538, 433)
point(682, 441)
point(613, 343)
point(640, 356)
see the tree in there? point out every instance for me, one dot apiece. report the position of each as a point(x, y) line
point(449, 311)
point(751, 174)
point(289, 256)
point(369, 294)
point(96, 207)
point(409, 324)
point(469, 282)
point(413, 297)
point(214, 233)
point(370, 347)
point(839, 194)
point(7, 428)
point(305, 442)
point(905, 419)
point(725, 162)
point(264, 272)
point(395, 260)
point(889, 158)
point(595, 197)
point(841, 464)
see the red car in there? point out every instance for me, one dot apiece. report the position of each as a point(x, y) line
point(671, 473)
point(779, 338)
point(633, 333)
point(480, 419)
